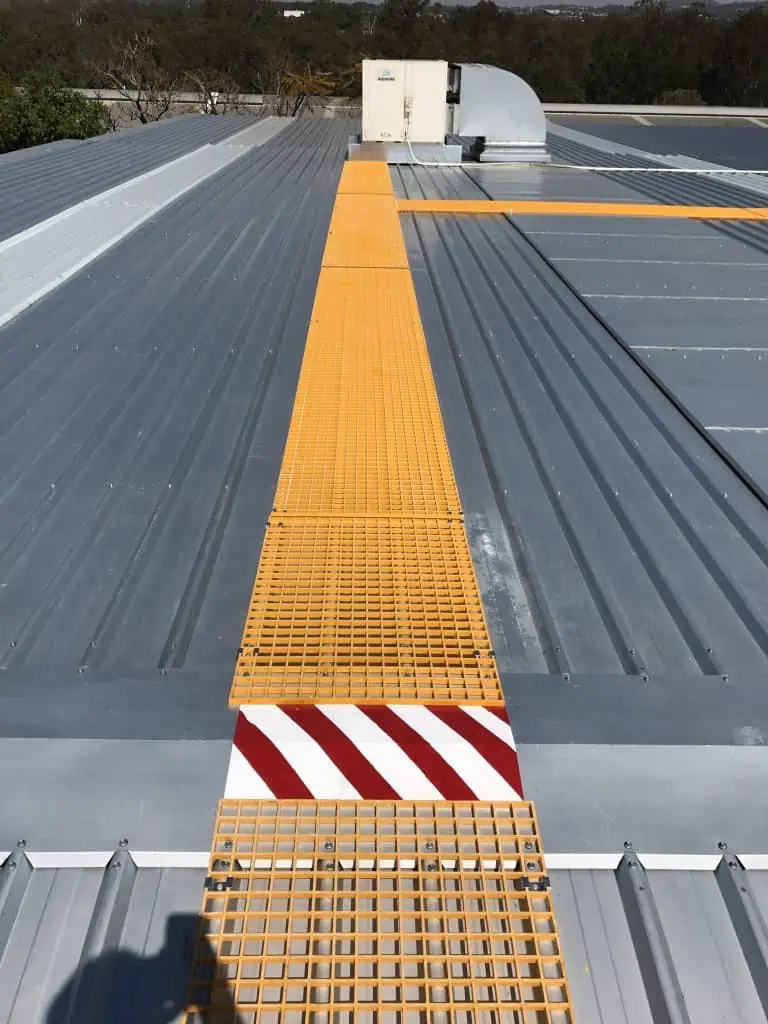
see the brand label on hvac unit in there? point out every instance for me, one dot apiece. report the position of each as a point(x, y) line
point(386, 76)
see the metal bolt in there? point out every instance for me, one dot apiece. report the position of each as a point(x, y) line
point(123, 843)
point(531, 865)
point(529, 846)
point(627, 844)
point(430, 845)
point(431, 866)
point(227, 844)
point(722, 846)
point(21, 843)
point(329, 844)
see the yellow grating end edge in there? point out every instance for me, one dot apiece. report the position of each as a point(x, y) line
point(377, 912)
point(365, 177)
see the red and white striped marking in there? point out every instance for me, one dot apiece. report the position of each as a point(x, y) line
point(373, 752)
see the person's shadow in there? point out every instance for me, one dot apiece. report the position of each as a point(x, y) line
point(123, 988)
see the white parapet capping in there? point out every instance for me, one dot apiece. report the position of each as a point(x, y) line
point(39, 259)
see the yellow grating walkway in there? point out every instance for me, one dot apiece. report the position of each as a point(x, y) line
point(346, 608)
point(394, 913)
point(366, 590)
point(366, 436)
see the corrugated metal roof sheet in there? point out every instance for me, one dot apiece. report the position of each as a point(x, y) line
point(741, 145)
point(145, 406)
point(90, 945)
point(48, 179)
point(599, 481)
point(83, 945)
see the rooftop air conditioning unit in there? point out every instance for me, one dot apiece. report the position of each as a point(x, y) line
point(406, 111)
point(410, 107)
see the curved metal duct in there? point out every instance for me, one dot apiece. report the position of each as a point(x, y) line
point(502, 111)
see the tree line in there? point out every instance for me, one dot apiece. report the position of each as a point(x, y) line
point(645, 54)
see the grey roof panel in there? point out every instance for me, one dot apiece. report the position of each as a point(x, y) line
point(145, 411)
point(599, 481)
point(86, 945)
point(708, 976)
point(48, 180)
point(743, 146)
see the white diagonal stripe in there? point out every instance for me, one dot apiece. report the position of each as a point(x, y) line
point(389, 759)
point(243, 781)
point(469, 763)
point(490, 722)
point(307, 758)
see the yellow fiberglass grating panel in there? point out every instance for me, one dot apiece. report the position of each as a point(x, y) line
point(366, 434)
point(358, 911)
point(365, 177)
point(358, 610)
point(365, 232)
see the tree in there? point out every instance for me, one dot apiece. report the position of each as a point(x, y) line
point(42, 110)
point(132, 68)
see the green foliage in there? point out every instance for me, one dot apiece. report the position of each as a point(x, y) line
point(641, 55)
point(42, 110)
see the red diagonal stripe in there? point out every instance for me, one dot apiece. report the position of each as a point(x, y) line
point(499, 710)
point(499, 756)
point(424, 756)
point(268, 762)
point(356, 768)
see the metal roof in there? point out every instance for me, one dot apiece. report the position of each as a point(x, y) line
point(146, 403)
point(622, 561)
point(113, 941)
point(736, 144)
point(40, 182)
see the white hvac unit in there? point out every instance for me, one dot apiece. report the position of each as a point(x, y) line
point(410, 106)
point(405, 101)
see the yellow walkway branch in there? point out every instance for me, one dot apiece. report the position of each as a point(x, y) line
point(569, 209)
point(354, 911)
point(366, 590)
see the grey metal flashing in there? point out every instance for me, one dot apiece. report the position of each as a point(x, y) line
point(35, 261)
point(145, 407)
point(44, 181)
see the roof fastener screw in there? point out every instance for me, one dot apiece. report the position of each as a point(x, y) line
point(722, 846)
point(431, 866)
point(627, 844)
point(123, 844)
point(21, 844)
point(531, 865)
point(227, 844)
point(529, 846)
point(731, 863)
point(329, 844)
point(12, 864)
point(430, 845)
